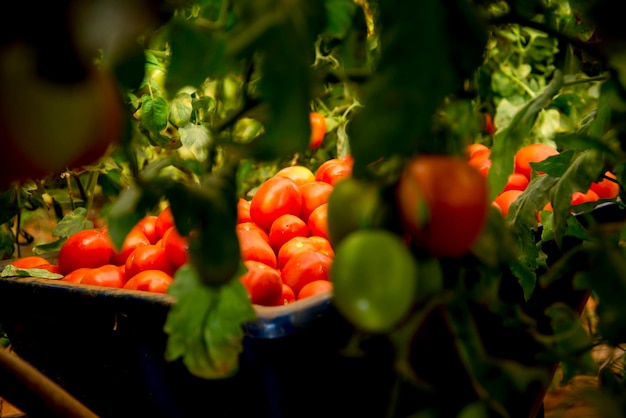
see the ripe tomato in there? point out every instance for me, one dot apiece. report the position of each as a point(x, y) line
point(286, 227)
point(176, 247)
point(516, 181)
point(488, 126)
point(52, 268)
point(304, 268)
point(504, 200)
point(165, 220)
point(318, 129)
point(474, 150)
point(147, 225)
point(286, 297)
point(254, 247)
point(580, 197)
point(108, 275)
point(135, 238)
point(318, 221)
point(333, 170)
point(316, 287)
point(87, 248)
point(532, 153)
point(606, 188)
point(313, 194)
point(29, 262)
point(148, 257)
point(76, 122)
point(275, 197)
point(156, 281)
point(292, 247)
point(322, 245)
point(76, 276)
point(443, 203)
point(251, 226)
point(482, 163)
point(298, 173)
point(243, 211)
point(262, 282)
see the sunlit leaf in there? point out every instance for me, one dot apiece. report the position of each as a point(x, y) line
point(72, 223)
point(12, 271)
point(180, 109)
point(196, 140)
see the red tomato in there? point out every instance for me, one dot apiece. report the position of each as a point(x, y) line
point(315, 287)
point(165, 220)
point(313, 194)
point(108, 275)
point(148, 257)
point(516, 181)
point(476, 149)
point(29, 262)
point(482, 163)
point(333, 170)
point(322, 245)
point(292, 247)
point(286, 227)
point(304, 268)
point(443, 203)
point(147, 225)
point(298, 173)
point(76, 276)
point(606, 188)
point(156, 281)
point(532, 153)
point(243, 211)
point(275, 197)
point(251, 226)
point(580, 197)
point(505, 199)
point(52, 268)
point(262, 282)
point(176, 247)
point(87, 248)
point(318, 129)
point(286, 297)
point(318, 221)
point(254, 247)
point(135, 238)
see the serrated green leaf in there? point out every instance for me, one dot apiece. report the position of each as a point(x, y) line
point(72, 223)
point(49, 247)
point(12, 271)
point(205, 324)
point(154, 113)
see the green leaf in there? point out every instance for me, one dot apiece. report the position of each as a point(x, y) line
point(180, 109)
point(132, 204)
point(7, 242)
point(196, 140)
point(72, 223)
point(9, 206)
point(508, 140)
point(154, 114)
point(205, 325)
point(339, 16)
point(49, 247)
point(12, 271)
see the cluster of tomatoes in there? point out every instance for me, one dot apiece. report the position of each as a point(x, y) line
point(283, 233)
point(479, 157)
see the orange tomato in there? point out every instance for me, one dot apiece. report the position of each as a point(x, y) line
point(584, 197)
point(532, 153)
point(607, 188)
point(165, 220)
point(176, 247)
point(76, 276)
point(504, 200)
point(108, 275)
point(147, 225)
point(298, 173)
point(333, 170)
point(304, 268)
point(254, 247)
point(243, 211)
point(475, 150)
point(322, 245)
point(251, 226)
point(29, 262)
point(516, 181)
point(156, 281)
point(318, 129)
point(313, 194)
point(292, 247)
point(318, 221)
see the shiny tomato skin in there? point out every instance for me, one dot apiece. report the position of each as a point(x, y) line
point(87, 248)
point(251, 226)
point(315, 287)
point(275, 197)
point(134, 239)
point(176, 247)
point(263, 283)
point(243, 211)
point(443, 203)
point(108, 275)
point(29, 262)
point(286, 297)
point(298, 173)
point(304, 268)
point(148, 257)
point(165, 220)
point(76, 276)
point(254, 247)
point(318, 221)
point(147, 225)
point(318, 129)
point(313, 194)
point(292, 247)
point(155, 281)
point(333, 170)
point(322, 245)
point(286, 227)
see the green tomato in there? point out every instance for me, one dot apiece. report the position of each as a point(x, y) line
point(374, 279)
